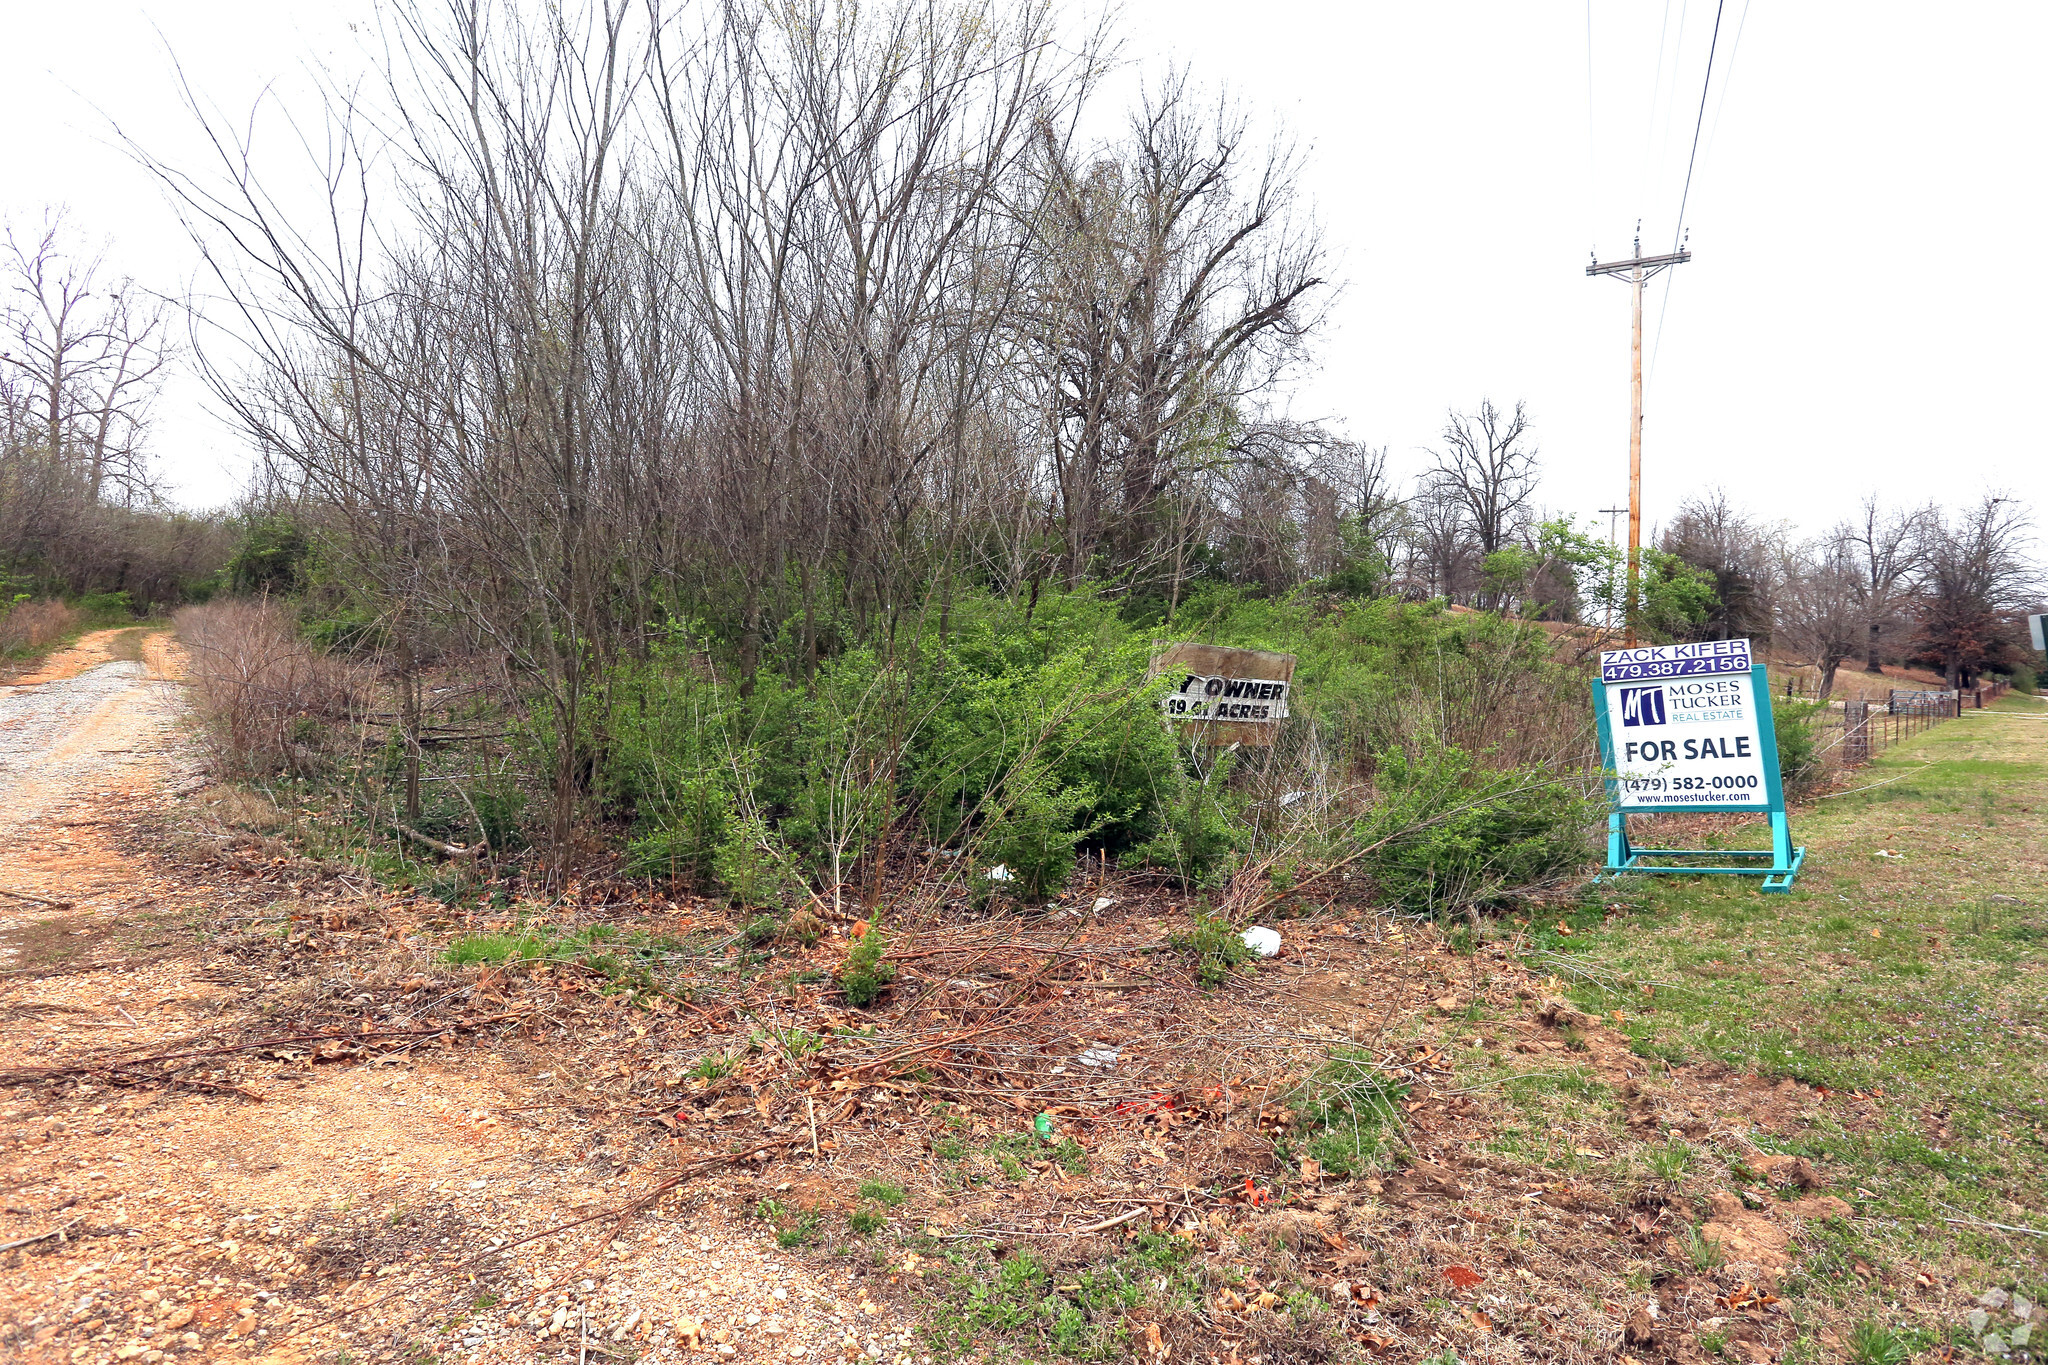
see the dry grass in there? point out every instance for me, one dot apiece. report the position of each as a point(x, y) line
point(264, 696)
point(31, 626)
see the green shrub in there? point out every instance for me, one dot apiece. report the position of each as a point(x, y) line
point(116, 604)
point(344, 630)
point(1446, 832)
point(754, 866)
point(272, 558)
point(1798, 747)
point(696, 821)
point(1216, 947)
point(1035, 831)
point(1198, 832)
point(1024, 733)
point(864, 973)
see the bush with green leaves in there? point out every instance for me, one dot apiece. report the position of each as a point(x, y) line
point(754, 866)
point(864, 974)
point(1028, 732)
point(1218, 949)
point(1444, 831)
point(695, 822)
point(1792, 724)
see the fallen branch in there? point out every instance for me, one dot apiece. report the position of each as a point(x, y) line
point(58, 1233)
point(36, 900)
point(1960, 1222)
point(481, 846)
point(1115, 1222)
point(44, 1073)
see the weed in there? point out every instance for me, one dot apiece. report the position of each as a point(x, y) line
point(865, 1221)
point(628, 959)
point(1703, 1251)
point(791, 1228)
point(713, 1066)
point(864, 973)
point(1345, 1107)
point(797, 1043)
point(1217, 948)
point(1713, 1343)
point(1077, 1312)
point(1872, 1344)
point(1669, 1161)
point(761, 931)
point(493, 949)
point(882, 1192)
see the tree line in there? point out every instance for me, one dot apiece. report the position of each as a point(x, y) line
point(787, 330)
point(83, 356)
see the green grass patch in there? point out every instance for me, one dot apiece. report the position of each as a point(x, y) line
point(1901, 976)
point(626, 959)
point(1037, 1308)
point(1348, 1110)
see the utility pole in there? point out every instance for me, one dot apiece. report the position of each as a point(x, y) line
point(1637, 272)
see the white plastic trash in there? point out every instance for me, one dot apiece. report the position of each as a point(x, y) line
point(1265, 942)
point(1103, 903)
point(1104, 1057)
point(1001, 873)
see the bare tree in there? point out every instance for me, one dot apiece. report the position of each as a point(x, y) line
point(1711, 535)
point(1173, 281)
point(1823, 605)
point(1977, 573)
point(91, 350)
point(1443, 556)
point(1354, 519)
point(1888, 545)
point(1487, 469)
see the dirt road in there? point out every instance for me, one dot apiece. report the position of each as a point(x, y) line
point(291, 1210)
point(92, 725)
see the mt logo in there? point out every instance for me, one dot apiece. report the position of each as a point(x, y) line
point(1642, 706)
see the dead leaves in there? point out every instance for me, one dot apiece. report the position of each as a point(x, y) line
point(1463, 1276)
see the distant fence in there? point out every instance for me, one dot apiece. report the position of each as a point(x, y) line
point(1862, 729)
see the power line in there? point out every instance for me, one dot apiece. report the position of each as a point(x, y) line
point(1698, 123)
point(1592, 161)
point(1720, 105)
point(1650, 124)
point(1728, 75)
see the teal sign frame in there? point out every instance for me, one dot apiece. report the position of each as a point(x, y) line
point(1784, 858)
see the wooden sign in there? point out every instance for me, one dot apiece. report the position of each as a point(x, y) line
point(1226, 696)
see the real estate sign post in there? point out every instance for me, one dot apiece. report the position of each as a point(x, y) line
point(1688, 728)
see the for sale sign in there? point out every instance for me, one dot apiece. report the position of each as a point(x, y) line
point(1684, 727)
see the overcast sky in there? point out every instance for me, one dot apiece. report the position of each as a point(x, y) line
point(1862, 313)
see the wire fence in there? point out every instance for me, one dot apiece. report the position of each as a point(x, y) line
point(1851, 733)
